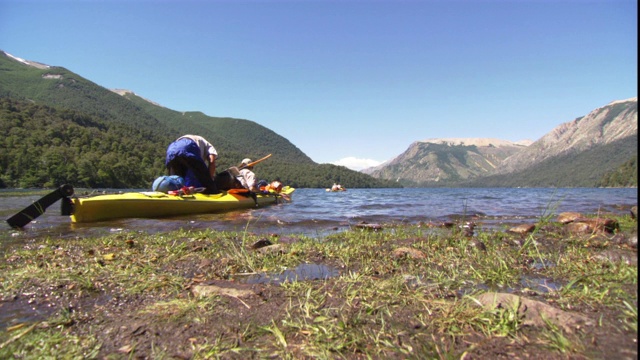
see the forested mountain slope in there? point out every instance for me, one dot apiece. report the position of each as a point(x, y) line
point(229, 135)
point(47, 147)
point(64, 128)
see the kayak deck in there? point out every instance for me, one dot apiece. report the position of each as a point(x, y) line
point(157, 204)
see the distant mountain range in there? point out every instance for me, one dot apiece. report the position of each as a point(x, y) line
point(582, 152)
point(577, 153)
point(446, 160)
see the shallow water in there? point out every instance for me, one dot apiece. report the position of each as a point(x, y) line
point(317, 213)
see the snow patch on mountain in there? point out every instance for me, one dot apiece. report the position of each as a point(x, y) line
point(476, 142)
point(27, 62)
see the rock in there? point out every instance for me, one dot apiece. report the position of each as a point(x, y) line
point(374, 227)
point(261, 243)
point(567, 217)
point(634, 212)
point(534, 313)
point(630, 240)
point(209, 290)
point(591, 226)
point(468, 228)
point(579, 228)
point(522, 229)
point(475, 243)
point(615, 255)
point(602, 225)
point(275, 249)
point(444, 224)
point(447, 224)
point(633, 241)
point(408, 252)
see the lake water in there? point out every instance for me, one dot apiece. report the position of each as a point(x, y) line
point(317, 213)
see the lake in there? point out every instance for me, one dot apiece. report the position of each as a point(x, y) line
point(317, 213)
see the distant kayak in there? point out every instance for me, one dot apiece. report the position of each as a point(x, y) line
point(157, 204)
point(338, 190)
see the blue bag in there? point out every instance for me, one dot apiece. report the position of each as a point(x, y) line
point(168, 183)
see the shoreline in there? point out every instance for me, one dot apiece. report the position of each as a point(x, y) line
point(396, 291)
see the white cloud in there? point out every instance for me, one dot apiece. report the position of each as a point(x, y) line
point(356, 164)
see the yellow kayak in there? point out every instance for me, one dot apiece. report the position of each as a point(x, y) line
point(157, 204)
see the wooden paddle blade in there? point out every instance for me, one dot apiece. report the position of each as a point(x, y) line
point(36, 209)
point(255, 162)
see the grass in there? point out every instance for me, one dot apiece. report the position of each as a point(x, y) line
point(382, 304)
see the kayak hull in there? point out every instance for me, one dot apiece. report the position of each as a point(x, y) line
point(157, 204)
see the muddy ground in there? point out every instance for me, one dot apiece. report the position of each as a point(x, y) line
point(242, 320)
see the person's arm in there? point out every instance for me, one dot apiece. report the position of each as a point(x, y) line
point(212, 165)
point(251, 181)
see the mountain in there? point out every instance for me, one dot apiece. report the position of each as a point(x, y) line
point(64, 128)
point(589, 168)
point(604, 125)
point(447, 160)
point(578, 153)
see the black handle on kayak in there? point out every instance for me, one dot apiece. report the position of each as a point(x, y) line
point(38, 208)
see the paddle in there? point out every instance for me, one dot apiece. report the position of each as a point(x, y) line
point(227, 179)
point(254, 162)
point(37, 208)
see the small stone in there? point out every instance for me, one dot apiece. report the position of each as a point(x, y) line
point(567, 217)
point(275, 249)
point(475, 243)
point(579, 228)
point(522, 229)
point(408, 252)
point(261, 243)
point(374, 227)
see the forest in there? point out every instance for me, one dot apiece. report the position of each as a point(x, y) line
point(45, 147)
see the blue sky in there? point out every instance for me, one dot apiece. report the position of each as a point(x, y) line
point(349, 82)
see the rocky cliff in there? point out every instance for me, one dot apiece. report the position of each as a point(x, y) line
point(604, 125)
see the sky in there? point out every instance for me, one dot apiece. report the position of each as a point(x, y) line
point(352, 83)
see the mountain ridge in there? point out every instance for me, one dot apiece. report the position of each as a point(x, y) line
point(477, 141)
point(603, 125)
point(466, 161)
point(607, 130)
point(28, 91)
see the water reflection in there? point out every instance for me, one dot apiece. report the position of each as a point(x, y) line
point(539, 284)
point(302, 272)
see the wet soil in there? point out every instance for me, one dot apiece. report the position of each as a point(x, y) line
point(239, 321)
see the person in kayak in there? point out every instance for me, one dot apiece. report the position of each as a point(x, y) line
point(246, 176)
point(193, 158)
point(248, 180)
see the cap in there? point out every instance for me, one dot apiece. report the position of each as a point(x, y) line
point(245, 162)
